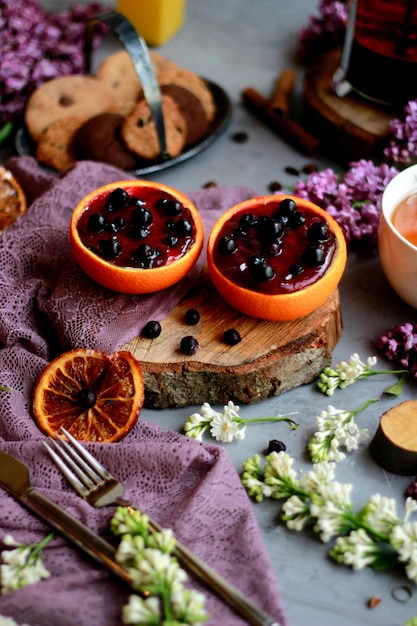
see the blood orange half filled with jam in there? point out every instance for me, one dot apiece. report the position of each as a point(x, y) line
point(276, 257)
point(136, 236)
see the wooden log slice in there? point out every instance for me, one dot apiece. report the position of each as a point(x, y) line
point(271, 358)
point(394, 446)
point(350, 127)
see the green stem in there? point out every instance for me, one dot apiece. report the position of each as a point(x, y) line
point(5, 132)
point(270, 419)
point(361, 408)
point(37, 548)
point(375, 372)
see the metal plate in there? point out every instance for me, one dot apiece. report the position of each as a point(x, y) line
point(25, 146)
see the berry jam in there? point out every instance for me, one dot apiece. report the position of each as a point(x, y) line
point(274, 249)
point(140, 228)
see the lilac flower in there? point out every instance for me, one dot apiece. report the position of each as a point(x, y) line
point(324, 31)
point(402, 147)
point(352, 199)
point(36, 46)
point(400, 345)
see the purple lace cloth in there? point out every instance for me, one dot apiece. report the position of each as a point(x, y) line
point(47, 306)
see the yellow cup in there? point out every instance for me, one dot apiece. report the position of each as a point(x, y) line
point(155, 20)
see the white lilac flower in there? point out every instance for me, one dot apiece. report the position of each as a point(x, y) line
point(349, 372)
point(141, 611)
point(128, 521)
point(332, 509)
point(156, 568)
point(23, 565)
point(336, 429)
point(163, 540)
point(356, 549)
point(226, 426)
point(225, 429)
point(188, 606)
point(9, 621)
point(130, 549)
point(296, 513)
point(321, 474)
point(380, 514)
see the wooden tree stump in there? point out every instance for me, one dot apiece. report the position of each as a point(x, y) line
point(271, 358)
point(394, 446)
point(350, 127)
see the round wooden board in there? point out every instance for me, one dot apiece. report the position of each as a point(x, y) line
point(271, 358)
point(350, 127)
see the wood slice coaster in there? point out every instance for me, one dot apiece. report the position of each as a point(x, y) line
point(394, 446)
point(271, 358)
point(350, 127)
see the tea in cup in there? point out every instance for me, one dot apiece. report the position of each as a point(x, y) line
point(397, 234)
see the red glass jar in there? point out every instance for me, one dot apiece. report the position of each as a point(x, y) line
point(379, 57)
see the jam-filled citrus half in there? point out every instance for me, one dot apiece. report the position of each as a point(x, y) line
point(136, 236)
point(276, 257)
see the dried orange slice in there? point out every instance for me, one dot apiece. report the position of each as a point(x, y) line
point(12, 198)
point(94, 395)
point(136, 236)
point(276, 257)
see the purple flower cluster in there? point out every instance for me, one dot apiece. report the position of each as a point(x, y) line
point(324, 31)
point(353, 199)
point(402, 147)
point(400, 346)
point(36, 46)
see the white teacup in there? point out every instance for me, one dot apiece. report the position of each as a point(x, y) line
point(398, 256)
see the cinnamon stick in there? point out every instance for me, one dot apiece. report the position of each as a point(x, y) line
point(285, 127)
point(280, 100)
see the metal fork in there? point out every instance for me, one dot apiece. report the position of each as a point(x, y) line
point(99, 488)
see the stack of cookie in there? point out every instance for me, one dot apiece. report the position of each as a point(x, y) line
point(106, 117)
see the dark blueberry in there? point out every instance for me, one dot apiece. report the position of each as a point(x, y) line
point(295, 220)
point(151, 330)
point(145, 254)
point(309, 168)
point(117, 199)
point(111, 228)
point(287, 207)
point(319, 231)
point(96, 222)
point(189, 345)
point(171, 240)
point(192, 317)
point(269, 230)
point(246, 220)
point(275, 186)
point(273, 248)
point(209, 184)
point(259, 269)
point(296, 269)
point(226, 245)
point(140, 232)
point(240, 232)
point(110, 248)
point(119, 222)
point(276, 446)
point(86, 398)
point(292, 170)
point(183, 228)
point(171, 206)
point(313, 256)
point(240, 137)
point(141, 216)
point(134, 201)
point(232, 336)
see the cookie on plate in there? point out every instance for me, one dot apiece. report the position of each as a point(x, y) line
point(139, 130)
point(55, 147)
point(192, 110)
point(118, 73)
point(74, 96)
point(99, 139)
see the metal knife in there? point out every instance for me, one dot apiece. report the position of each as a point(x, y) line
point(15, 478)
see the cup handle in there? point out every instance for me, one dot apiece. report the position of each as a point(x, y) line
point(138, 51)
